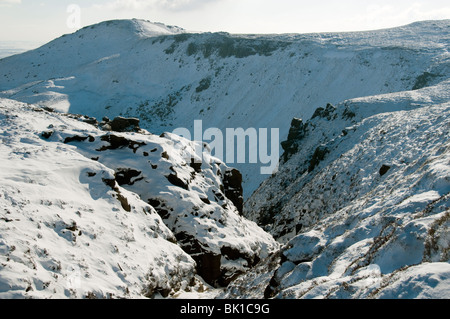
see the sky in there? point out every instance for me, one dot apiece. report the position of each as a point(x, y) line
point(43, 20)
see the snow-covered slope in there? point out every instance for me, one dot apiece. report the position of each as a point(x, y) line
point(84, 211)
point(362, 201)
point(169, 78)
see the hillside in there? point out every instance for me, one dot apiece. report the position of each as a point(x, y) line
point(168, 78)
point(364, 210)
point(87, 211)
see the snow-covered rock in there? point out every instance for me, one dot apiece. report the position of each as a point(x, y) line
point(78, 214)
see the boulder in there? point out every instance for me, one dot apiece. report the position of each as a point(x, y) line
point(232, 182)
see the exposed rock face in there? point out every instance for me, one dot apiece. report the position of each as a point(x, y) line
point(232, 183)
point(121, 124)
point(77, 138)
point(208, 263)
point(328, 113)
point(384, 169)
point(117, 141)
point(201, 203)
point(318, 156)
point(127, 176)
point(296, 133)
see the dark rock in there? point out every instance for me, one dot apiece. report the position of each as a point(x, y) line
point(176, 181)
point(231, 253)
point(47, 134)
point(160, 208)
point(72, 228)
point(121, 124)
point(124, 176)
point(328, 113)
point(124, 202)
point(162, 212)
point(122, 199)
point(296, 133)
point(232, 182)
point(272, 289)
point(208, 267)
point(218, 195)
point(114, 141)
point(196, 166)
point(205, 200)
point(91, 120)
point(75, 138)
point(164, 292)
point(424, 80)
point(384, 169)
point(110, 182)
point(119, 142)
point(318, 156)
point(267, 214)
point(154, 202)
point(235, 254)
point(48, 109)
point(165, 155)
point(348, 114)
point(208, 263)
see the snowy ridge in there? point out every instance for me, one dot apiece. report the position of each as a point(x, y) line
point(366, 216)
point(73, 227)
point(228, 81)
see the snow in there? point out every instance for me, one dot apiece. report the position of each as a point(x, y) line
point(363, 234)
point(151, 71)
point(65, 233)
point(46, 190)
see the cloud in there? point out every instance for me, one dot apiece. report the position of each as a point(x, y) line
point(388, 15)
point(171, 5)
point(8, 3)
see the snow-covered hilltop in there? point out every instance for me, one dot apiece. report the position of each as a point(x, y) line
point(169, 78)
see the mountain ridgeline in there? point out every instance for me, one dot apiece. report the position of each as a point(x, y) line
point(168, 78)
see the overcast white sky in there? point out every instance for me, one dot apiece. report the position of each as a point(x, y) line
point(44, 20)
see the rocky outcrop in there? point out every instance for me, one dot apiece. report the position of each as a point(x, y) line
point(117, 141)
point(296, 133)
point(121, 124)
point(127, 176)
point(232, 183)
point(201, 203)
point(318, 156)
